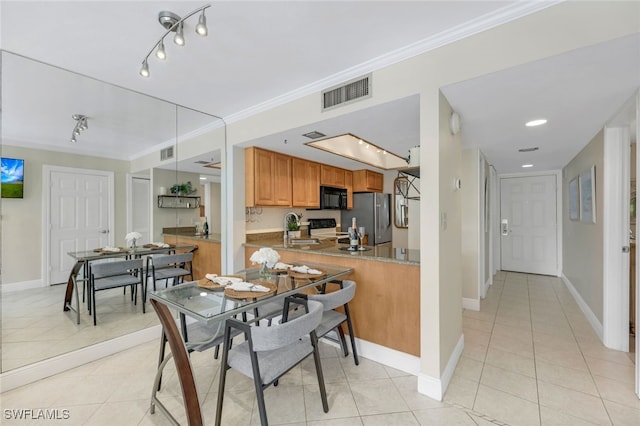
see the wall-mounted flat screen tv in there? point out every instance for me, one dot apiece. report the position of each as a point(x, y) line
point(12, 183)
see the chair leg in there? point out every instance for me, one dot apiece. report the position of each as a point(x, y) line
point(223, 376)
point(93, 302)
point(316, 359)
point(262, 409)
point(352, 337)
point(343, 341)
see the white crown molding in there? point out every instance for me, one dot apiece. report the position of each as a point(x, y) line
point(467, 29)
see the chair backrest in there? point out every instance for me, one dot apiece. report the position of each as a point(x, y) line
point(171, 259)
point(108, 269)
point(336, 298)
point(279, 335)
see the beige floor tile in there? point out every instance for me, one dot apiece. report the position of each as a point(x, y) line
point(574, 403)
point(617, 391)
point(392, 372)
point(505, 407)
point(461, 391)
point(237, 408)
point(399, 419)
point(580, 381)
point(511, 362)
point(118, 413)
point(475, 351)
point(408, 388)
point(612, 370)
point(366, 370)
point(339, 397)
point(351, 421)
point(553, 417)
point(377, 397)
point(284, 404)
point(510, 345)
point(570, 359)
point(510, 382)
point(468, 368)
point(476, 337)
point(445, 416)
point(477, 324)
point(621, 415)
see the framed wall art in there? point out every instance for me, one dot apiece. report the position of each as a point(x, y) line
point(574, 200)
point(588, 195)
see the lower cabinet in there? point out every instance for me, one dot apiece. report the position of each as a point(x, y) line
point(207, 259)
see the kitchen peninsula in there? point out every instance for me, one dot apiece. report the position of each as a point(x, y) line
point(386, 307)
point(207, 258)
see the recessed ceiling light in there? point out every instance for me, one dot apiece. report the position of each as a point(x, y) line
point(357, 149)
point(203, 178)
point(537, 122)
point(525, 166)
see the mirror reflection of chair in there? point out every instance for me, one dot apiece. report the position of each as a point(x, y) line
point(170, 266)
point(270, 352)
point(108, 275)
point(332, 319)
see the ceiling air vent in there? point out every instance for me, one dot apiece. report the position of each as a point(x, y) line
point(166, 153)
point(351, 91)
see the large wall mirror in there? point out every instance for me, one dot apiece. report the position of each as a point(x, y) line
point(121, 152)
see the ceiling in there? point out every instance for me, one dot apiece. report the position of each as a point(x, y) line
point(258, 52)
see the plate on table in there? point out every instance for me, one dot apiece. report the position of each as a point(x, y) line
point(155, 246)
point(252, 294)
point(103, 251)
point(217, 285)
point(301, 275)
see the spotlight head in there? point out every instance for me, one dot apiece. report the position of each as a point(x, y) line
point(179, 37)
point(160, 53)
point(201, 27)
point(144, 71)
point(73, 139)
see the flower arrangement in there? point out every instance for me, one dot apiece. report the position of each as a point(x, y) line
point(293, 224)
point(132, 237)
point(265, 255)
point(183, 189)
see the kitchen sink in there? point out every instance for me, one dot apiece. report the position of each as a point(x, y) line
point(304, 241)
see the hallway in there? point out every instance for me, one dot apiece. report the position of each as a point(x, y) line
point(531, 358)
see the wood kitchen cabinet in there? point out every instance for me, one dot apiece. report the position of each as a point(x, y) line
point(305, 183)
point(348, 183)
point(267, 178)
point(331, 176)
point(367, 181)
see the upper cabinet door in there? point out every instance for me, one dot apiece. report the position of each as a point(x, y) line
point(367, 181)
point(305, 183)
point(332, 176)
point(267, 178)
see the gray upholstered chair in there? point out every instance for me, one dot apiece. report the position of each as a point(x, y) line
point(170, 266)
point(110, 275)
point(270, 352)
point(332, 319)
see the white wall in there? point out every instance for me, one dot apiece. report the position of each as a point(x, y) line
point(470, 232)
point(583, 242)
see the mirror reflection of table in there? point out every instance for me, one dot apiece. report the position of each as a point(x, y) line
point(213, 306)
point(84, 258)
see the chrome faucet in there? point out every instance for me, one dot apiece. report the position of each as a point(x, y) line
point(286, 220)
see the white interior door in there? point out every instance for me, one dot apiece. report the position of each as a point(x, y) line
point(528, 224)
point(141, 208)
point(79, 217)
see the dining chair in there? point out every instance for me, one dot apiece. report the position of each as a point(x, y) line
point(170, 266)
point(123, 273)
point(333, 319)
point(270, 352)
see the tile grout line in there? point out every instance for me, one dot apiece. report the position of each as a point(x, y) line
point(535, 364)
point(564, 313)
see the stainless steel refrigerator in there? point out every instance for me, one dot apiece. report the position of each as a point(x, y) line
point(373, 211)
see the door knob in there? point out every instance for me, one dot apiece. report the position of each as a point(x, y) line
point(504, 227)
point(104, 231)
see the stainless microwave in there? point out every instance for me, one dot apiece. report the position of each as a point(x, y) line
point(333, 198)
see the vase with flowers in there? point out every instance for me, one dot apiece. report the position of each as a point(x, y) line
point(267, 258)
point(132, 238)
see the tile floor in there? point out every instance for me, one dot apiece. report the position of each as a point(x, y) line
point(530, 358)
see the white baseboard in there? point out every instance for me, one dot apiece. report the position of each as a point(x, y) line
point(586, 310)
point(23, 285)
point(488, 283)
point(390, 357)
point(471, 304)
point(436, 387)
point(28, 374)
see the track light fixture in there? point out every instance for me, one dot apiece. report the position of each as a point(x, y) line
point(173, 23)
point(82, 124)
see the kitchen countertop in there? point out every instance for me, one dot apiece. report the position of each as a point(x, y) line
point(382, 253)
point(212, 238)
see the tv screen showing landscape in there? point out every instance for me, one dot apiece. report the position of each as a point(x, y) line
point(12, 178)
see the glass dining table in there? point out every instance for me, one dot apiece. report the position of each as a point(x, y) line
point(212, 304)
